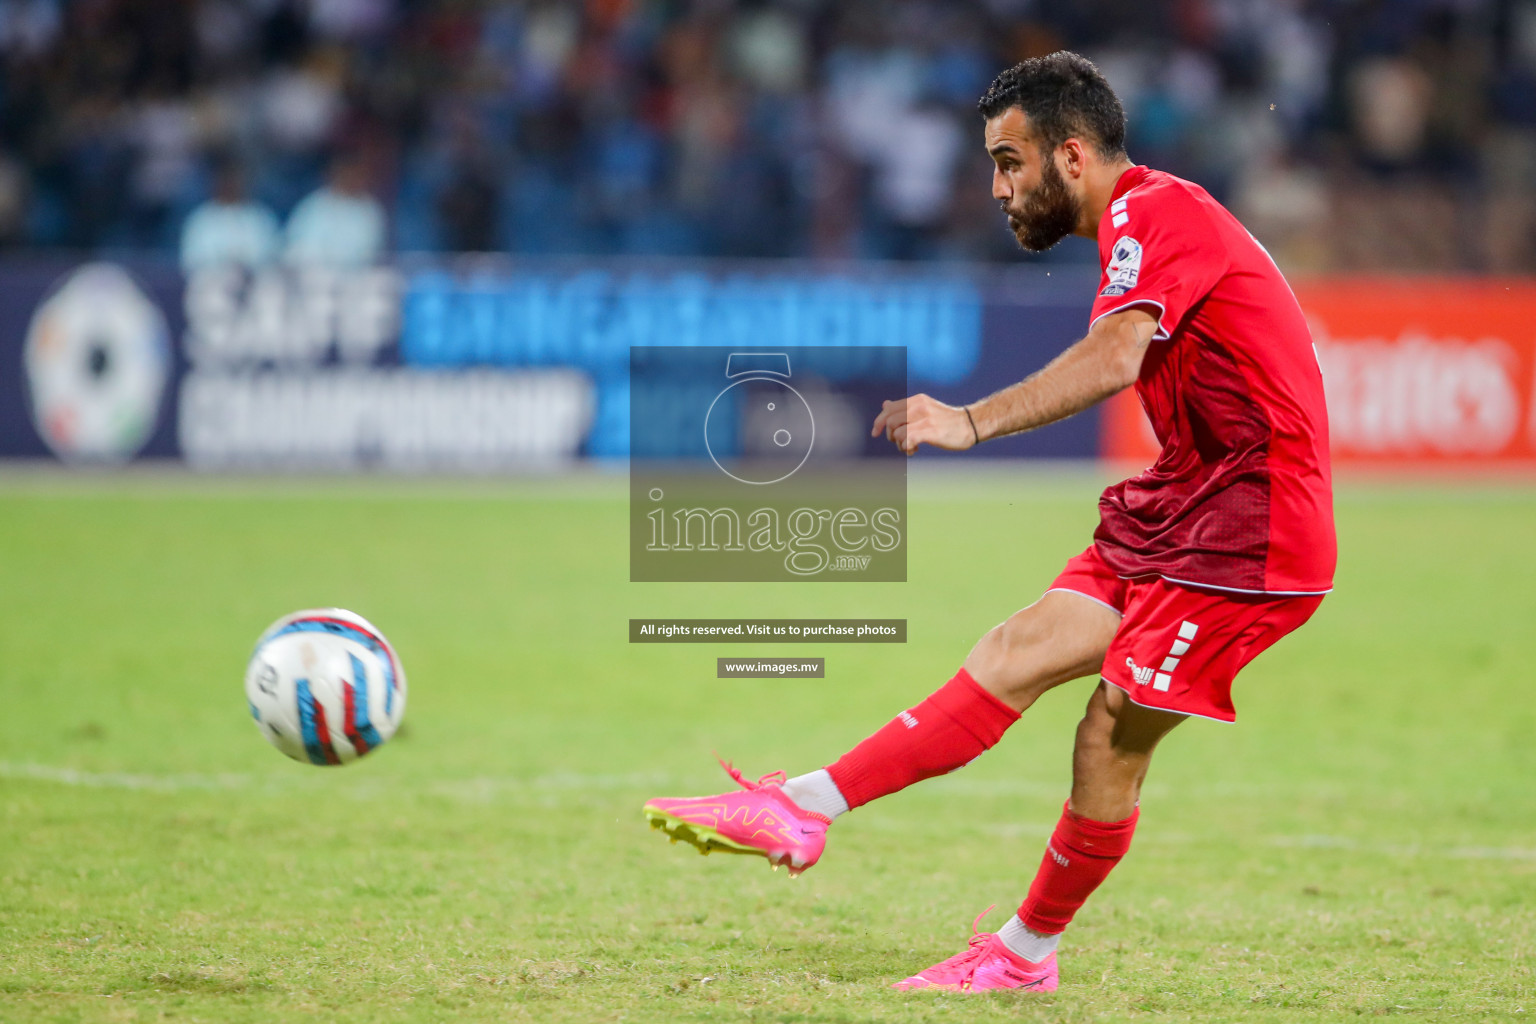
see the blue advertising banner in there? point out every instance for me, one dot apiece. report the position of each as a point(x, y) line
point(470, 364)
point(1029, 315)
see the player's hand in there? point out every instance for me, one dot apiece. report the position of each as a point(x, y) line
point(923, 420)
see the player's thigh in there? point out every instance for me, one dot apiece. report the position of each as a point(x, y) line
point(1062, 636)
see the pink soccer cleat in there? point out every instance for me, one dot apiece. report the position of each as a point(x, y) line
point(986, 965)
point(759, 819)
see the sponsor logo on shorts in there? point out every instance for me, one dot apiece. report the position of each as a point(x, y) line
point(1161, 677)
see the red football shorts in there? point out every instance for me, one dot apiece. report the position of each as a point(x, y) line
point(1178, 647)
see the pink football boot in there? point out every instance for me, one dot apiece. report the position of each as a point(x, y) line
point(759, 819)
point(986, 965)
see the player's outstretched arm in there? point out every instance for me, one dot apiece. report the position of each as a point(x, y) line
point(1101, 364)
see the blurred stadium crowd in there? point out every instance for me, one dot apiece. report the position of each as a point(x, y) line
point(1349, 134)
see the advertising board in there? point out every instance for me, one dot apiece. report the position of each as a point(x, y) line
point(468, 364)
point(1420, 375)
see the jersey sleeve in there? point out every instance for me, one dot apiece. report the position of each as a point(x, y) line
point(1161, 256)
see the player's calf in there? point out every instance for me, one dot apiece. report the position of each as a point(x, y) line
point(1115, 741)
point(1113, 751)
point(949, 729)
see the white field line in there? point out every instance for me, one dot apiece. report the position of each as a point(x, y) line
point(485, 788)
point(478, 787)
point(122, 780)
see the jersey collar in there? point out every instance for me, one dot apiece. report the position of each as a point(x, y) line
point(1129, 180)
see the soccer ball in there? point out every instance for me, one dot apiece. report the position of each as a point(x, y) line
point(324, 686)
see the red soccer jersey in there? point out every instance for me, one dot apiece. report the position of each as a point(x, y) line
point(1241, 497)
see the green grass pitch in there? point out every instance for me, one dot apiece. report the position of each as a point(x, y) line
point(1361, 843)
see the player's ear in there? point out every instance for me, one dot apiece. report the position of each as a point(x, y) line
point(1074, 157)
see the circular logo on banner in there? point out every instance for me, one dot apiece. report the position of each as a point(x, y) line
point(97, 357)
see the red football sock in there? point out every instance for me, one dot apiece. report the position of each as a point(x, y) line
point(949, 730)
point(1080, 855)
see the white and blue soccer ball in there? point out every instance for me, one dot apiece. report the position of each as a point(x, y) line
point(325, 687)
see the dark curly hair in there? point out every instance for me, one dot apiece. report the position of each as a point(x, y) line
point(1065, 97)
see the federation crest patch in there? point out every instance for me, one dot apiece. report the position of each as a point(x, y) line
point(1124, 266)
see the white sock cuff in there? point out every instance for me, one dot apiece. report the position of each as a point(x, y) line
point(816, 792)
point(1031, 945)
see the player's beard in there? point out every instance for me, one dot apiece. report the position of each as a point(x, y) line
point(1048, 214)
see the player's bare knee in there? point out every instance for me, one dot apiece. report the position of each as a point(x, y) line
point(1008, 661)
point(1059, 637)
point(1132, 730)
point(1099, 725)
point(1112, 699)
point(1095, 731)
point(1020, 639)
